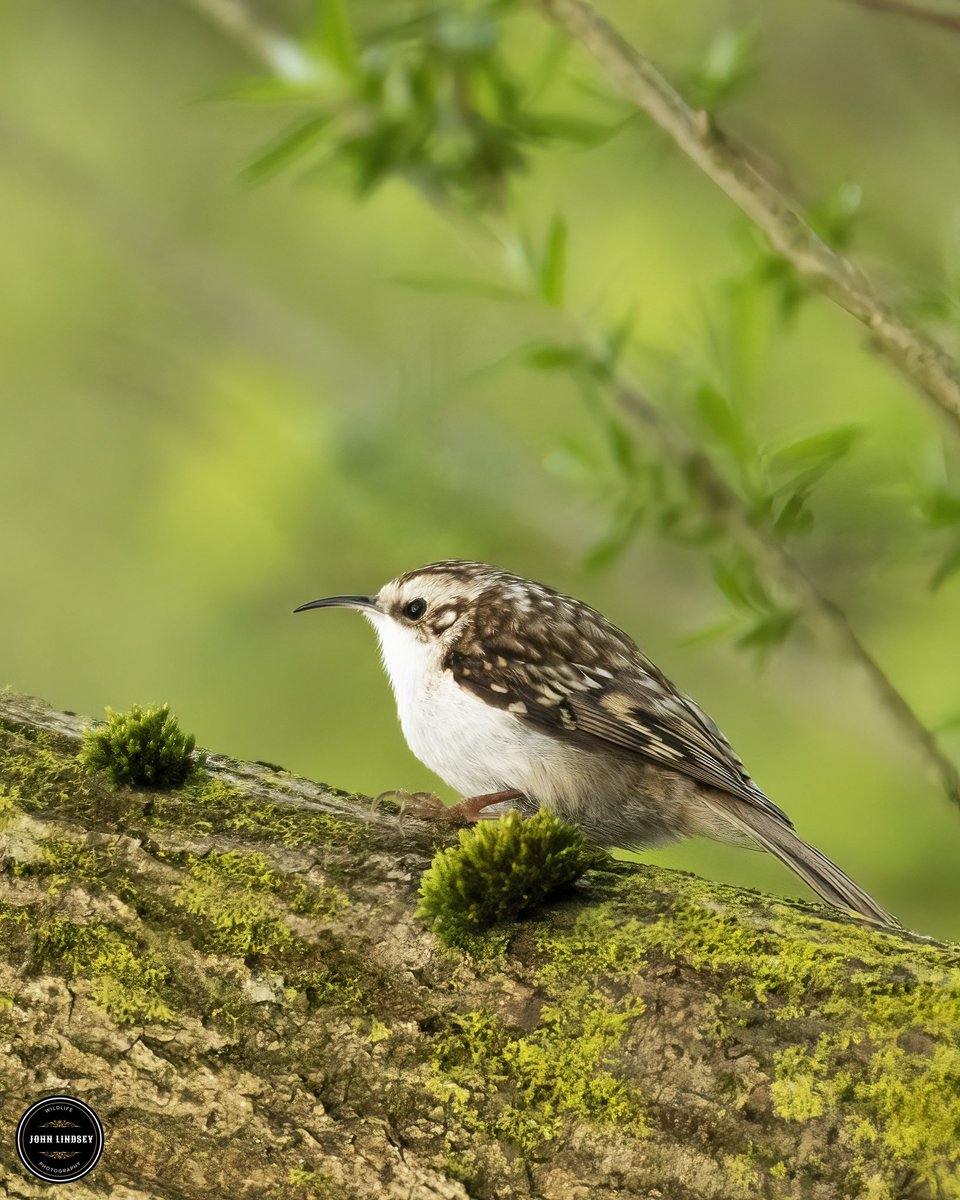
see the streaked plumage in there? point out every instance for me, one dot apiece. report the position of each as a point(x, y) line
point(505, 684)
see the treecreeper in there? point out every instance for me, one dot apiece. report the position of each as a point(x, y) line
point(519, 696)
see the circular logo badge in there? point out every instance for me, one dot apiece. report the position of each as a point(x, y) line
point(59, 1139)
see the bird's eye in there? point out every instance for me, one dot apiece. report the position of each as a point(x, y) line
point(415, 609)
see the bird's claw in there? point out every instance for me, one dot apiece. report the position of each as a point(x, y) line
point(429, 807)
point(426, 805)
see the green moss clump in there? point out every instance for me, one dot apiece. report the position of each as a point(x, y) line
point(124, 979)
point(500, 870)
point(144, 747)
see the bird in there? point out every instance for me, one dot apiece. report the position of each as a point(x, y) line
point(519, 696)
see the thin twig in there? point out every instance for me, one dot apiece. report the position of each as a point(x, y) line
point(722, 503)
point(280, 54)
point(921, 360)
point(915, 12)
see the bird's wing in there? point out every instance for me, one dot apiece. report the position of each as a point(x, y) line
point(633, 708)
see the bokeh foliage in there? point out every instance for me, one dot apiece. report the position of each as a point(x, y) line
point(398, 341)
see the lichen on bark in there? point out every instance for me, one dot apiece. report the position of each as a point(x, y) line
point(233, 975)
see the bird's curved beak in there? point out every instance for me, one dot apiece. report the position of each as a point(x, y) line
point(362, 603)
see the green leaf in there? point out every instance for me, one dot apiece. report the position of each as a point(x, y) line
point(730, 63)
point(550, 64)
point(722, 419)
point(555, 358)
point(265, 90)
point(570, 462)
point(941, 507)
point(740, 584)
point(286, 149)
point(728, 580)
point(334, 36)
point(794, 517)
point(553, 266)
point(948, 566)
point(611, 547)
point(790, 290)
point(621, 447)
point(616, 339)
point(572, 130)
point(802, 463)
point(769, 632)
point(709, 633)
point(836, 215)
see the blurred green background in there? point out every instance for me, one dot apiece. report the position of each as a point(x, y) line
point(219, 401)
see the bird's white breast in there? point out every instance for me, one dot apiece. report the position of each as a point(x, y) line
point(478, 748)
point(471, 745)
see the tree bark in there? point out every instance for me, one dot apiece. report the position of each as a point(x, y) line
point(234, 977)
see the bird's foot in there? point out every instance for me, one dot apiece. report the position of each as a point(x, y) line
point(426, 805)
point(476, 808)
point(429, 807)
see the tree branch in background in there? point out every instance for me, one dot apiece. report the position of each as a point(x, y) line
point(283, 56)
point(924, 363)
point(717, 501)
point(915, 12)
point(827, 619)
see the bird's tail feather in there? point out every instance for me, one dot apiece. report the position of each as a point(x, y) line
point(814, 868)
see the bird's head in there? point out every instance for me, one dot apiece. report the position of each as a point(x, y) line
point(423, 612)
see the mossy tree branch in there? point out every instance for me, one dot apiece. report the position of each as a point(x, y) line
point(233, 976)
point(924, 363)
